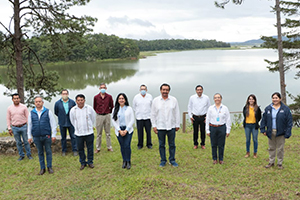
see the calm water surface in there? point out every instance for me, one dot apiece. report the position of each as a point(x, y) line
point(233, 73)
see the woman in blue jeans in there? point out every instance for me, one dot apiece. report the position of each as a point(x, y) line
point(252, 116)
point(123, 120)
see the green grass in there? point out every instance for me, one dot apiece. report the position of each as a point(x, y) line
point(195, 178)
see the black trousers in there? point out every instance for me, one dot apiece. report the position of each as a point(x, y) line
point(140, 129)
point(199, 121)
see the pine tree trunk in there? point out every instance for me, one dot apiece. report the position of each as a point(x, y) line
point(280, 54)
point(18, 50)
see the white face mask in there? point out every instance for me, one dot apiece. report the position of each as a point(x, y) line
point(64, 97)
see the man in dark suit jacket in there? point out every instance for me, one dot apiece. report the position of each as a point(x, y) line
point(62, 109)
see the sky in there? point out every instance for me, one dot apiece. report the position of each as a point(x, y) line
point(178, 19)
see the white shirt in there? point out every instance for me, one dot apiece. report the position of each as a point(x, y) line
point(165, 114)
point(52, 123)
point(198, 105)
point(213, 114)
point(129, 119)
point(142, 106)
point(83, 120)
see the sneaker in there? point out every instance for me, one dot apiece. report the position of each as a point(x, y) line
point(30, 157)
point(280, 166)
point(269, 165)
point(20, 158)
point(162, 164)
point(174, 164)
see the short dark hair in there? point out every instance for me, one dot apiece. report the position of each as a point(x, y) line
point(218, 94)
point(165, 84)
point(102, 84)
point(15, 94)
point(143, 85)
point(64, 90)
point(277, 94)
point(198, 86)
point(80, 96)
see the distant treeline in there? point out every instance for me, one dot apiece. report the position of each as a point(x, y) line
point(93, 47)
point(178, 44)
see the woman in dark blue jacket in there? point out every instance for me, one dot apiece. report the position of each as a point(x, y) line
point(278, 120)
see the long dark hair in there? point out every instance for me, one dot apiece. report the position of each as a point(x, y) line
point(248, 104)
point(117, 105)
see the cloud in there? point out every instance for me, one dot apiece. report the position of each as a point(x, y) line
point(126, 20)
point(153, 35)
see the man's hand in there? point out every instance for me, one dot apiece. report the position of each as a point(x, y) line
point(155, 130)
point(208, 134)
point(227, 134)
point(177, 128)
point(10, 132)
point(192, 120)
point(30, 141)
point(53, 139)
point(265, 134)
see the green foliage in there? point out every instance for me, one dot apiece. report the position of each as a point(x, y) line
point(236, 122)
point(178, 44)
point(295, 109)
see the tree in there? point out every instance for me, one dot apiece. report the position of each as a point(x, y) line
point(280, 65)
point(40, 18)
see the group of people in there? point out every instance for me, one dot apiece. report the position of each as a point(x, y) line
point(161, 113)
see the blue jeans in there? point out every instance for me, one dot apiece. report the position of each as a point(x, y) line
point(217, 140)
point(125, 144)
point(250, 128)
point(89, 142)
point(41, 143)
point(18, 133)
point(63, 132)
point(162, 144)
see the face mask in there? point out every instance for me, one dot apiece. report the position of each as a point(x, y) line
point(65, 97)
point(143, 92)
point(102, 91)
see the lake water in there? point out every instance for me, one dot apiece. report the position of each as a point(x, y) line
point(233, 73)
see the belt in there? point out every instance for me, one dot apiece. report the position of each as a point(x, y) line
point(199, 115)
point(215, 125)
point(102, 114)
point(19, 125)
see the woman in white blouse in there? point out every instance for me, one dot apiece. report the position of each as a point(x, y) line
point(218, 126)
point(123, 120)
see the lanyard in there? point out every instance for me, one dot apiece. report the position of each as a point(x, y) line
point(218, 113)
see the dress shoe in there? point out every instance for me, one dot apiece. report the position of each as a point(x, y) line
point(30, 157)
point(75, 153)
point(42, 172)
point(91, 165)
point(269, 165)
point(82, 167)
point(202, 146)
point(149, 147)
point(139, 147)
point(20, 158)
point(50, 170)
point(110, 149)
point(280, 166)
point(97, 151)
point(162, 164)
point(221, 162)
point(247, 155)
point(195, 147)
point(255, 155)
point(215, 162)
point(63, 154)
point(124, 164)
point(128, 165)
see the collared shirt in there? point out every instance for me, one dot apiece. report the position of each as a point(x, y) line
point(66, 105)
point(52, 123)
point(142, 106)
point(103, 105)
point(218, 117)
point(274, 114)
point(16, 115)
point(121, 115)
point(165, 114)
point(198, 105)
point(83, 120)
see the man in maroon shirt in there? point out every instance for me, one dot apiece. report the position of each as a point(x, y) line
point(103, 105)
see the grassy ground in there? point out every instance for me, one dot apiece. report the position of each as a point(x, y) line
point(195, 178)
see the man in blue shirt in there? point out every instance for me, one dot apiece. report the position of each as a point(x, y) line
point(61, 109)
